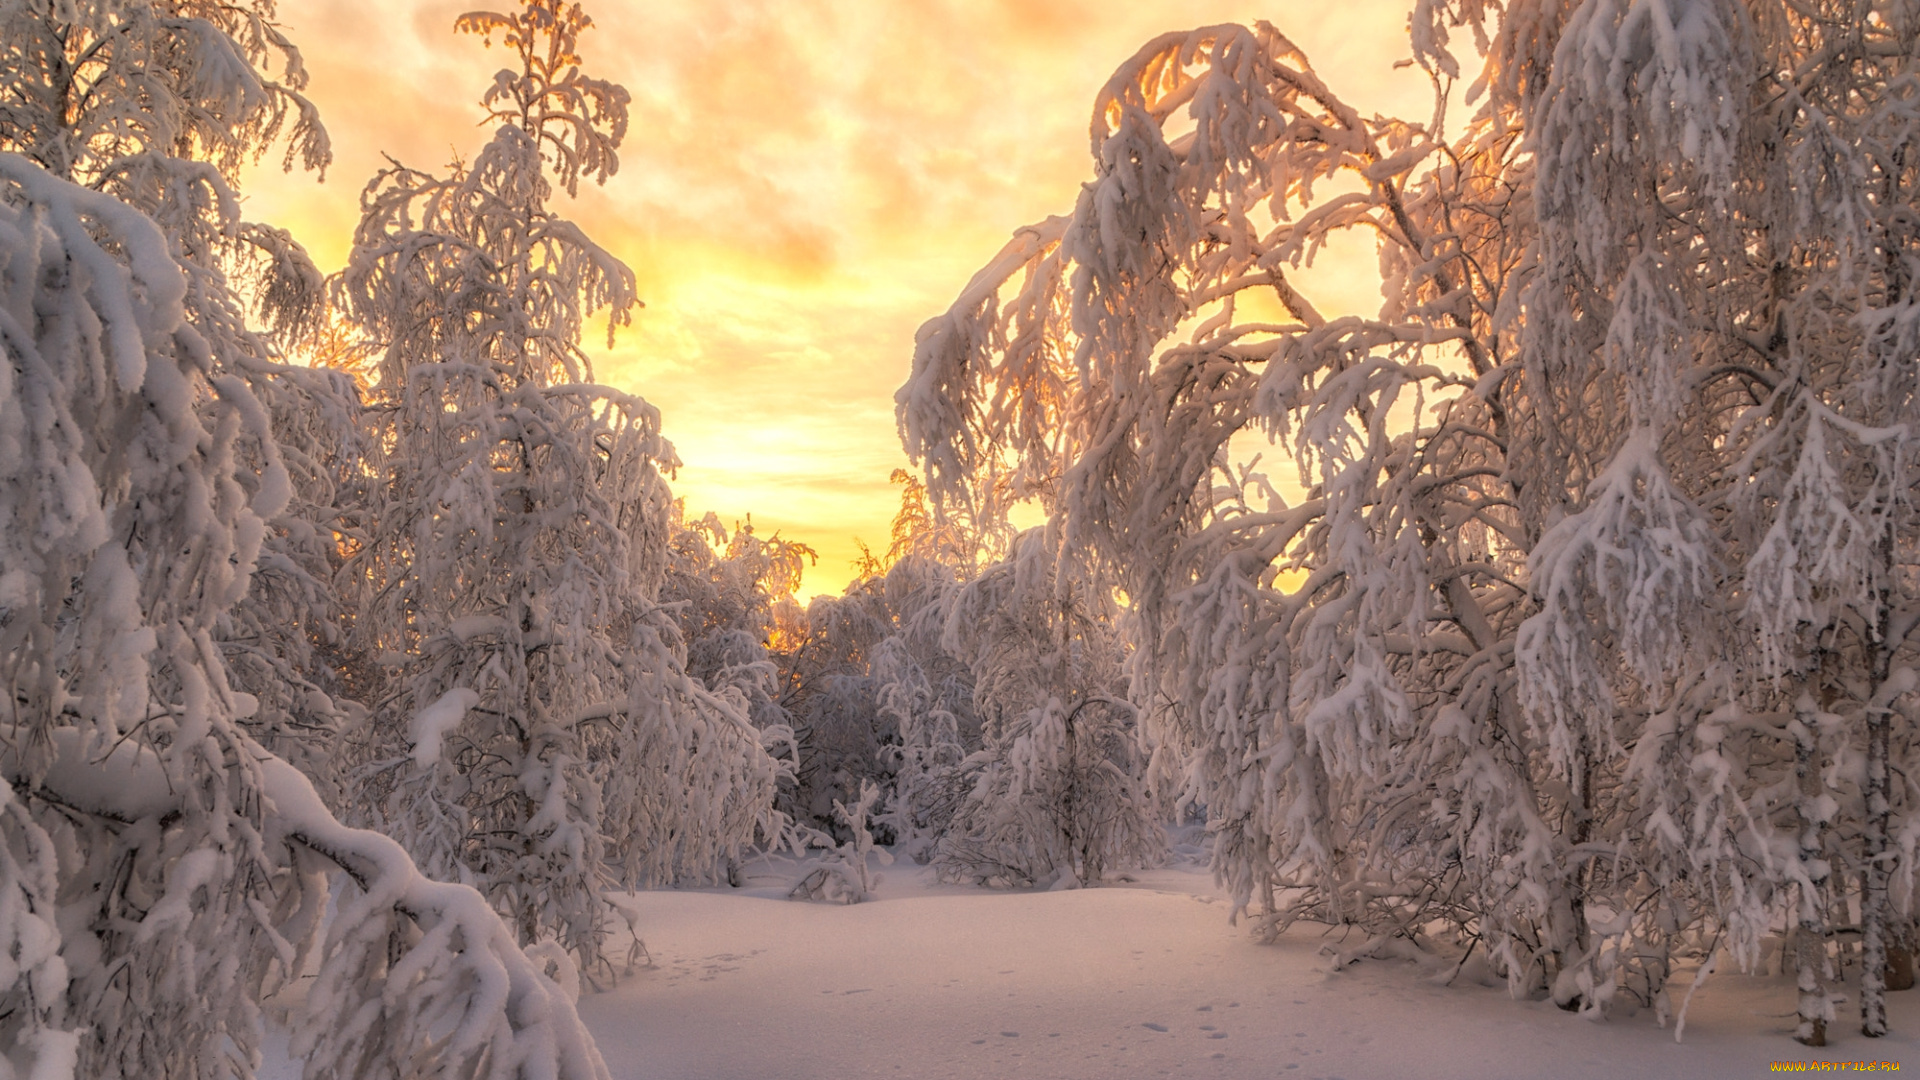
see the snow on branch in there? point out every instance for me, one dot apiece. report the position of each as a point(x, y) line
point(195, 866)
point(1614, 481)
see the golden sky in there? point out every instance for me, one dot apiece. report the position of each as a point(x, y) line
point(803, 183)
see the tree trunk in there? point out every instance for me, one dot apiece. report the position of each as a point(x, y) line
point(1873, 898)
point(1812, 967)
point(1900, 955)
point(1571, 939)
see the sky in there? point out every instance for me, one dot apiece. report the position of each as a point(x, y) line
point(802, 185)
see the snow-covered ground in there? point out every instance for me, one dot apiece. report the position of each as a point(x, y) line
point(1141, 979)
point(1146, 979)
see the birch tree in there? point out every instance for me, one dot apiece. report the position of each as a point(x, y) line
point(1726, 241)
point(1582, 634)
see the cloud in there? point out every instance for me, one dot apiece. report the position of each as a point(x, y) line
point(803, 183)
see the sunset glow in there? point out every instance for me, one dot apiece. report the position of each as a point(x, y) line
point(803, 184)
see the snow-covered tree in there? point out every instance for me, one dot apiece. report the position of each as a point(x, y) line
point(159, 105)
point(1727, 272)
point(1585, 630)
point(829, 696)
point(733, 593)
point(844, 877)
point(874, 696)
point(940, 537)
point(165, 874)
point(924, 693)
point(1055, 794)
point(1247, 614)
point(541, 736)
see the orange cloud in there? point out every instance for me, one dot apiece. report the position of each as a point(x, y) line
point(803, 183)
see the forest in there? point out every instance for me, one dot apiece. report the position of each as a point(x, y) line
point(1558, 616)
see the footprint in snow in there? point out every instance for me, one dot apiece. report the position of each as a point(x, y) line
point(1009, 1034)
point(1154, 1027)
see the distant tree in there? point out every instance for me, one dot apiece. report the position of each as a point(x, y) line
point(920, 531)
point(1588, 633)
point(1055, 793)
point(731, 592)
point(924, 694)
point(829, 696)
point(875, 697)
point(540, 736)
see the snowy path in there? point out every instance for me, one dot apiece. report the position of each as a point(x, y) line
point(1140, 981)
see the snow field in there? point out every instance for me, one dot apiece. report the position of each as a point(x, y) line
point(1139, 980)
